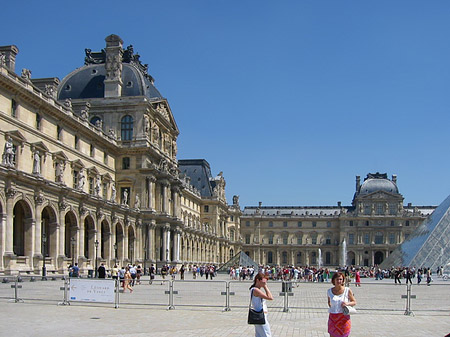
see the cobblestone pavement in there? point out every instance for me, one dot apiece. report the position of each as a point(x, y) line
point(199, 311)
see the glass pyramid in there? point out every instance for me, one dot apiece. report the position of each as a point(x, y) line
point(428, 246)
point(240, 259)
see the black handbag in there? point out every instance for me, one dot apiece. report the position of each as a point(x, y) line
point(255, 317)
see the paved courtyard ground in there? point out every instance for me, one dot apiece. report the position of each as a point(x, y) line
point(199, 310)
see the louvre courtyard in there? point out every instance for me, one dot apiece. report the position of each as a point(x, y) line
point(199, 309)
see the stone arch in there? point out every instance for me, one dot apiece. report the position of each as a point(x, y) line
point(119, 234)
point(89, 237)
point(70, 235)
point(49, 228)
point(378, 257)
point(22, 228)
point(351, 258)
point(131, 243)
point(105, 239)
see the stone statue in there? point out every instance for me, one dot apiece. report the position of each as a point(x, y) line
point(68, 103)
point(174, 148)
point(112, 133)
point(125, 197)
point(235, 200)
point(146, 124)
point(8, 152)
point(155, 133)
point(36, 163)
point(137, 202)
point(60, 172)
point(97, 186)
point(49, 90)
point(81, 180)
point(26, 74)
point(2, 59)
point(85, 112)
point(113, 192)
point(99, 123)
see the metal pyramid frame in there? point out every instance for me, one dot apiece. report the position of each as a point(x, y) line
point(240, 259)
point(428, 246)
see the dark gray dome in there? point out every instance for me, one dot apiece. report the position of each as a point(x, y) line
point(375, 185)
point(88, 82)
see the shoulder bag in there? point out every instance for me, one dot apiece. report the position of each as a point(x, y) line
point(255, 317)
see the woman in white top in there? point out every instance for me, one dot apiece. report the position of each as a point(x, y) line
point(339, 325)
point(258, 298)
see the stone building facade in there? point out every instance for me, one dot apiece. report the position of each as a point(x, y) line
point(364, 233)
point(89, 172)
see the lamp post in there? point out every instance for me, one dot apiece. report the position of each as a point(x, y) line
point(44, 271)
point(115, 253)
point(72, 242)
point(96, 252)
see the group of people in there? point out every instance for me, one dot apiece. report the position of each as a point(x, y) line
point(339, 297)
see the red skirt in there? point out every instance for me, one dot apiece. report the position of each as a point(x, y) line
point(339, 325)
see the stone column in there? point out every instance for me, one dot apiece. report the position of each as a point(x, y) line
point(166, 243)
point(113, 66)
point(151, 192)
point(9, 221)
point(38, 227)
point(165, 201)
point(62, 229)
point(2, 237)
point(176, 243)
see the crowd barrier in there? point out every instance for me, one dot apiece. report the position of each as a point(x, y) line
point(225, 294)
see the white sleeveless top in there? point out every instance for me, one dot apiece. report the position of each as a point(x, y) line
point(336, 301)
point(258, 303)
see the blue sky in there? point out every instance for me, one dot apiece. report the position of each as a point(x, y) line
point(291, 100)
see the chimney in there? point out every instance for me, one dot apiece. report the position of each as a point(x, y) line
point(394, 179)
point(358, 183)
point(339, 204)
point(10, 53)
point(260, 204)
point(113, 66)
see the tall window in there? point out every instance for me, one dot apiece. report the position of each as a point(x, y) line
point(392, 209)
point(299, 224)
point(269, 257)
point(91, 150)
point(378, 238)
point(351, 239)
point(75, 178)
point(285, 224)
point(366, 238)
point(314, 224)
point(127, 128)
point(91, 185)
point(126, 165)
point(58, 132)
point(392, 238)
point(38, 121)
point(285, 239)
point(13, 108)
point(270, 223)
point(247, 239)
point(380, 209)
point(270, 239)
point(77, 142)
point(299, 239)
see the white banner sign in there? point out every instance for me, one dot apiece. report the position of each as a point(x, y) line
point(85, 290)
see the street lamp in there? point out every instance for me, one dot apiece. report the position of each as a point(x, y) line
point(72, 242)
point(96, 252)
point(44, 271)
point(115, 253)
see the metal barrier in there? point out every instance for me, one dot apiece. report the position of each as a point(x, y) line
point(371, 296)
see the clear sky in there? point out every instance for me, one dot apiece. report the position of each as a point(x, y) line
point(290, 99)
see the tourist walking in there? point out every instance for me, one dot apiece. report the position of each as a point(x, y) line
point(339, 325)
point(357, 278)
point(258, 299)
point(127, 280)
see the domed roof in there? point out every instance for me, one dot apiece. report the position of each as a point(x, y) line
point(88, 81)
point(376, 183)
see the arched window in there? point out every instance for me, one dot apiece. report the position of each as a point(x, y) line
point(127, 128)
